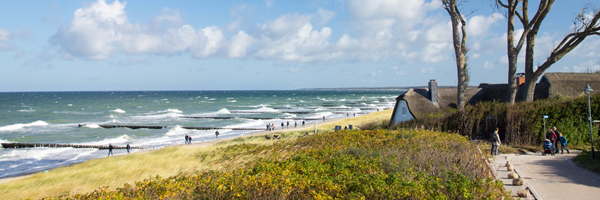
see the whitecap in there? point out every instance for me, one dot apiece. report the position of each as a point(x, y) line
point(122, 139)
point(92, 125)
point(231, 101)
point(14, 127)
point(26, 110)
point(223, 111)
point(177, 130)
point(118, 111)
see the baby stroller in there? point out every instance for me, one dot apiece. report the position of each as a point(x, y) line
point(547, 147)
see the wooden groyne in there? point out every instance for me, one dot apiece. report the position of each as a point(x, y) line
point(132, 127)
point(194, 117)
point(214, 128)
point(34, 145)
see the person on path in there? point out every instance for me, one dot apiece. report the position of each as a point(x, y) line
point(563, 143)
point(129, 147)
point(187, 139)
point(217, 134)
point(282, 125)
point(303, 123)
point(495, 142)
point(556, 133)
point(110, 148)
point(552, 137)
point(295, 124)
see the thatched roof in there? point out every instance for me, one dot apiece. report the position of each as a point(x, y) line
point(566, 84)
point(420, 105)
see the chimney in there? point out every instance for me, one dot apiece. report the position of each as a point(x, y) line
point(520, 79)
point(433, 91)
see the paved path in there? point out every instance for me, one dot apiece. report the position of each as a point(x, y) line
point(549, 177)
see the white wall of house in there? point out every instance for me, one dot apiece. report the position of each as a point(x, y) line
point(402, 112)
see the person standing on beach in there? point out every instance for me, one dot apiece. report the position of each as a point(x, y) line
point(110, 148)
point(495, 142)
point(190, 140)
point(128, 147)
point(268, 127)
point(217, 134)
point(282, 125)
point(354, 114)
point(295, 124)
point(288, 124)
point(303, 123)
point(187, 138)
point(323, 118)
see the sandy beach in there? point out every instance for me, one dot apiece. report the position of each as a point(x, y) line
point(66, 172)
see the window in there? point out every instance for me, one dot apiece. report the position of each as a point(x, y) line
point(404, 111)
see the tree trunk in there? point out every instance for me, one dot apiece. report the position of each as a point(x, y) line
point(460, 50)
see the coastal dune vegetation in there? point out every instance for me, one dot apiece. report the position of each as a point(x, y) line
point(343, 164)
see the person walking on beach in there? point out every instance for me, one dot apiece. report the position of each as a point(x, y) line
point(495, 142)
point(288, 124)
point(354, 114)
point(110, 148)
point(187, 138)
point(282, 125)
point(268, 127)
point(129, 147)
point(323, 118)
point(190, 140)
point(563, 143)
point(303, 123)
point(295, 124)
point(217, 134)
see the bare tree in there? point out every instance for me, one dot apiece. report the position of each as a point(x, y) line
point(583, 27)
point(459, 38)
point(528, 25)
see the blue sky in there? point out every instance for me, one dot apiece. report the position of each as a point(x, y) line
point(260, 45)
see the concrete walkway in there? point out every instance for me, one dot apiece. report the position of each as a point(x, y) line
point(549, 177)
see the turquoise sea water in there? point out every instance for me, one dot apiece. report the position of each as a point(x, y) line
point(53, 117)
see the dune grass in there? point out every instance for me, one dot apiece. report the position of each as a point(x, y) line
point(166, 162)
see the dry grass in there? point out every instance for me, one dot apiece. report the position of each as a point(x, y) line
point(170, 161)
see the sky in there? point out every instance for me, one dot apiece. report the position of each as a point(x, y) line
point(136, 45)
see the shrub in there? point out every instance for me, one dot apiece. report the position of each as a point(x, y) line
point(376, 164)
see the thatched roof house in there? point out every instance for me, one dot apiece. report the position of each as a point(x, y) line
point(566, 84)
point(421, 102)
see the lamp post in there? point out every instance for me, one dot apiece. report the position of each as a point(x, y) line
point(589, 90)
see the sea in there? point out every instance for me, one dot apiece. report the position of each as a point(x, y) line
point(76, 118)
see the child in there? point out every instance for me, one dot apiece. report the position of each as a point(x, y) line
point(563, 143)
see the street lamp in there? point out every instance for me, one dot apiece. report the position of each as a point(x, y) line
point(589, 90)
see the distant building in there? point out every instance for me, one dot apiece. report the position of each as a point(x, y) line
point(566, 84)
point(421, 102)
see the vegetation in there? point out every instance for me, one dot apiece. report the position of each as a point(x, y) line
point(345, 164)
point(584, 160)
point(520, 125)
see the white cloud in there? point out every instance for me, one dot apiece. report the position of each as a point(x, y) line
point(588, 66)
point(427, 70)
point(398, 71)
point(479, 25)
point(488, 65)
point(4, 40)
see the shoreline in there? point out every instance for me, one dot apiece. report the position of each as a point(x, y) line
point(198, 144)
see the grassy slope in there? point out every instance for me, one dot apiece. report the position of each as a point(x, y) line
point(166, 162)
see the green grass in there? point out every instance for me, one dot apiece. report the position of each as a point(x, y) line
point(584, 160)
point(166, 162)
